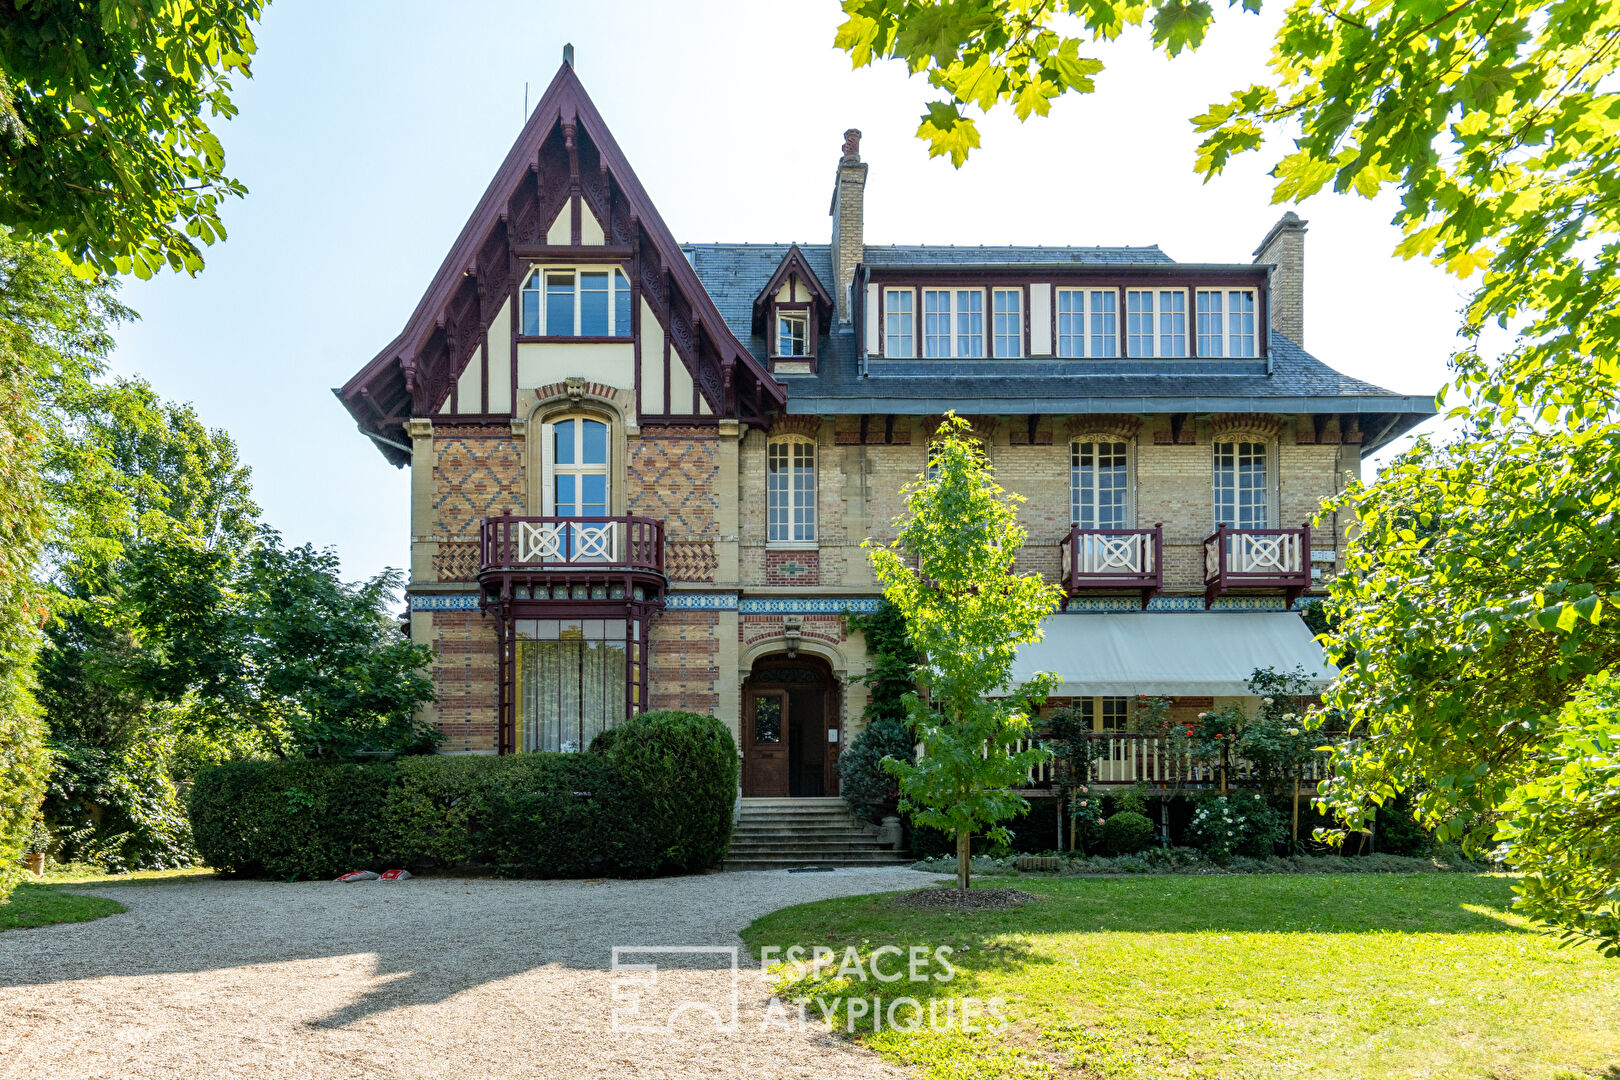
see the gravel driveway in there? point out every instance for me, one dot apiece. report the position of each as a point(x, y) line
point(433, 977)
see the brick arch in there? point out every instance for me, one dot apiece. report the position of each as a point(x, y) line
point(1122, 425)
point(1265, 425)
point(807, 426)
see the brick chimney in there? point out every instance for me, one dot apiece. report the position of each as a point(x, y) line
point(1284, 247)
point(848, 227)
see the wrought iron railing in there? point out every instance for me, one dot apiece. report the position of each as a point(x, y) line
point(561, 543)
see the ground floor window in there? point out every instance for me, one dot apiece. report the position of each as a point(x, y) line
point(573, 677)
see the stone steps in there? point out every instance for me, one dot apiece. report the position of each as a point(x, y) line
point(785, 834)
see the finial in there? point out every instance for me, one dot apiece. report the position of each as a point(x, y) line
point(568, 54)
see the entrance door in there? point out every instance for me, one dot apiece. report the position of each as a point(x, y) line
point(790, 730)
point(765, 739)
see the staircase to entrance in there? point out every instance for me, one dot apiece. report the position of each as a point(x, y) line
point(782, 834)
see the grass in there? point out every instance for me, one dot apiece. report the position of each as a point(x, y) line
point(42, 905)
point(41, 902)
point(1255, 977)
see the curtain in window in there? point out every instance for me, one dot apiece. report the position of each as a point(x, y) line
point(571, 677)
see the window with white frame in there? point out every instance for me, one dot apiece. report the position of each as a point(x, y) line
point(1099, 484)
point(1240, 484)
point(969, 322)
point(792, 333)
point(1226, 322)
point(1172, 322)
point(575, 467)
point(953, 323)
point(1008, 322)
point(790, 491)
point(1086, 323)
point(582, 302)
point(936, 323)
point(1139, 328)
point(900, 323)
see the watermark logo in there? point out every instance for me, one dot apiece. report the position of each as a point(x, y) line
point(888, 988)
point(645, 1004)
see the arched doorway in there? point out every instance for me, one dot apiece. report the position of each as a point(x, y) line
point(790, 728)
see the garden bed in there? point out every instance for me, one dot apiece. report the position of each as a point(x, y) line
point(1179, 860)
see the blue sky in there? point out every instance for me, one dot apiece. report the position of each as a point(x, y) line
point(369, 131)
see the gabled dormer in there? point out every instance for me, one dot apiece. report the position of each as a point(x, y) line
point(793, 312)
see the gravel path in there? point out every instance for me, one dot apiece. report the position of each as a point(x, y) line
point(433, 977)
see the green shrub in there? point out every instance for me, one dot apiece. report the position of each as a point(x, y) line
point(1127, 833)
point(678, 771)
point(656, 797)
point(24, 764)
point(866, 787)
point(1238, 823)
point(292, 819)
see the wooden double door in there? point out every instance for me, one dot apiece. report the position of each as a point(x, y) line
point(790, 729)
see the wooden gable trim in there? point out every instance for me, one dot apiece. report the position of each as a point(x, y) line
point(793, 264)
point(563, 158)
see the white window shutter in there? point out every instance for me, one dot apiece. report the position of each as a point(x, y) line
point(548, 469)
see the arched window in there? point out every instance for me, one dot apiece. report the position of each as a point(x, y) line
point(1100, 483)
point(1242, 490)
point(790, 491)
point(574, 469)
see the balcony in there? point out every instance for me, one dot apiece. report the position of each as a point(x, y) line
point(571, 558)
point(1128, 757)
point(1118, 560)
point(1267, 559)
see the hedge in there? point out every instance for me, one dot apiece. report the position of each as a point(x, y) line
point(654, 797)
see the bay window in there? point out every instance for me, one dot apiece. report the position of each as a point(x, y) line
point(572, 679)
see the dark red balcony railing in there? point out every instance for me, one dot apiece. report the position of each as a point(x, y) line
point(572, 543)
point(1257, 559)
point(1118, 559)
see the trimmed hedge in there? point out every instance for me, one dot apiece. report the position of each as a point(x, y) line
point(653, 797)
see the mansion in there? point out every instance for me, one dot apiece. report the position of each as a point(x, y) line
point(642, 469)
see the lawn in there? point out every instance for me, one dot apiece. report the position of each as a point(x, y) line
point(42, 905)
point(1421, 975)
point(39, 902)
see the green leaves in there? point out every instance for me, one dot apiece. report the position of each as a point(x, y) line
point(950, 574)
point(104, 137)
point(990, 53)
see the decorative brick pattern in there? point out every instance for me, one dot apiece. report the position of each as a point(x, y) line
point(683, 657)
point(1030, 431)
point(477, 473)
point(1126, 427)
point(456, 562)
point(758, 629)
point(590, 389)
point(690, 560)
point(672, 476)
point(1258, 423)
point(807, 426)
point(464, 677)
point(792, 567)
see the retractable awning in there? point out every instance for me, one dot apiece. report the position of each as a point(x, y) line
point(1171, 654)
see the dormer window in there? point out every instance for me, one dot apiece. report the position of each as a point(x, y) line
point(792, 333)
point(1226, 322)
point(584, 303)
point(1165, 335)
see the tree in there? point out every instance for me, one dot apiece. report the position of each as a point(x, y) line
point(104, 137)
point(950, 574)
point(1471, 623)
point(53, 338)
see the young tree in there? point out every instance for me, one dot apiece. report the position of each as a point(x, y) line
point(104, 139)
point(950, 574)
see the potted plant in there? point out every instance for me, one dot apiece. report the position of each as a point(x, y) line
point(38, 844)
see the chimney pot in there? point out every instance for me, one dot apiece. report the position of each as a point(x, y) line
point(1284, 248)
point(849, 227)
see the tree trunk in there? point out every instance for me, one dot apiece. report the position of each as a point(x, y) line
point(964, 852)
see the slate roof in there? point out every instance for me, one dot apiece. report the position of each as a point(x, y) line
point(1297, 382)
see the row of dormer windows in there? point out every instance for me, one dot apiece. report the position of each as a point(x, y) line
point(950, 323)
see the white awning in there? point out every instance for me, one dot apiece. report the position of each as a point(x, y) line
point(1172, 654)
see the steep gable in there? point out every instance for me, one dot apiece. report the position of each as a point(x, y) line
point(564, 166)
